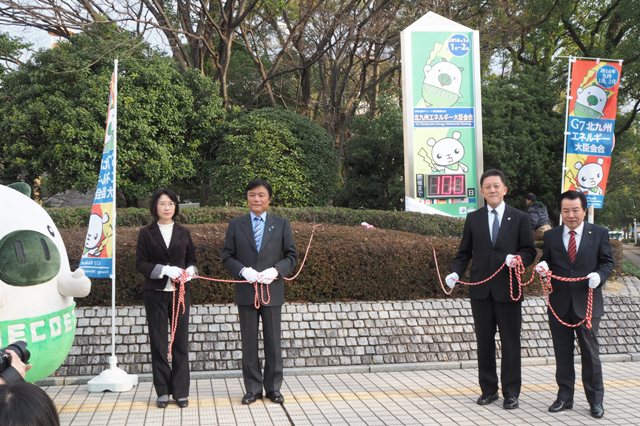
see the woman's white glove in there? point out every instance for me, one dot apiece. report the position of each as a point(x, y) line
point(191, 270)
point(452, 279)
point(172, 272)
point(249, 274)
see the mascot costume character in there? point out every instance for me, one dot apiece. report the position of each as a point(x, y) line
point(37, 286)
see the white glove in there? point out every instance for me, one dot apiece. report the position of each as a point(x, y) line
point(250, 275)
point(594, 279)
point(451, 279)
point(542, 268)
point(268, 275)
point(510, 261)
point(172, 272)
point(191, 270)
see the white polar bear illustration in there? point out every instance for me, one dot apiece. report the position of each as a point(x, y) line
point(445, 154)
point(442, 81)
point(95, 234)
point(590, 102)
point(589, 177)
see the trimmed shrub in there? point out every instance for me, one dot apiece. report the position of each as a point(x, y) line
point(417, 223)
point(344, 264)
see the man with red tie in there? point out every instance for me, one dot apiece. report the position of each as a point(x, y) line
point(576, 249)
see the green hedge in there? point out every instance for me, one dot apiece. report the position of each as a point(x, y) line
point(346, 262)
point(417, 223)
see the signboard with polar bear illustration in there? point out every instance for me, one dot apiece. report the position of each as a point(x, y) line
point(37, 285)
point(589, 136)
point(442, 116)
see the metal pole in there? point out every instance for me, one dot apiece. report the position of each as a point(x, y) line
point(566, 130)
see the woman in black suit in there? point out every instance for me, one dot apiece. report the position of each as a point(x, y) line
point(164, 251)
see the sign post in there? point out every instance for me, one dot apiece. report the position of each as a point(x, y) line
point(442, 119)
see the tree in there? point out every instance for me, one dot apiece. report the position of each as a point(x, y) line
point(10, 51)
point(523, 134)
point(291, 152)
point(374, 161)
point(52, 113)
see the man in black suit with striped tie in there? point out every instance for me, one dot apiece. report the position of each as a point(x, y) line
point(259, 248)
point(576, 249)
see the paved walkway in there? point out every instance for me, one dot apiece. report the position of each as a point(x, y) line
point(421, 396)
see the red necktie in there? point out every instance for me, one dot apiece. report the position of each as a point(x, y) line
point(572, 246)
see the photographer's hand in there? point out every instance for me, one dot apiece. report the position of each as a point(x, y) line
point(16, 364)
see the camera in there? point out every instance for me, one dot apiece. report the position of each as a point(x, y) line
point(20, 348)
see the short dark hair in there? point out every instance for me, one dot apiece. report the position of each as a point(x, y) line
point(493, 172)
point(153, 205)
point(572, 195)
point(256, 183)
point(24, 403)
point(531, 196)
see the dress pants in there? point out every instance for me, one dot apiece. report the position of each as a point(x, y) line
point(251, 371)
point(174, 379)
point(563, 347)
point(488, 315)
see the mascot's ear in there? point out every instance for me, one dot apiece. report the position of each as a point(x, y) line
point(21, 187)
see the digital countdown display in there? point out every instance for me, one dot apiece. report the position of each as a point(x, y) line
point(446, 186)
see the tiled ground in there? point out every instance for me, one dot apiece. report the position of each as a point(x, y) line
point(420, 397)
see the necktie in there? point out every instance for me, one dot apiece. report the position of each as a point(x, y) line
point(257, 231)
point(495, 227)
point(572, 246)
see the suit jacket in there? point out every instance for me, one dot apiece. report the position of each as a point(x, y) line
point(276, 250)
point(594, 255)
point(514, 237)
point(152, 254)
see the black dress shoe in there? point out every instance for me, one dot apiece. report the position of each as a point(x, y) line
point(487, 399)
point(162, 401)
point(182, 402)
point(250, 397)
point(560, 405)
point(597, 410)
point(276, 397)
point(510, 403)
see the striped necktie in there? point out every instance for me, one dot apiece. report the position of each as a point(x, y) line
point(257, 231)
point(572, 246)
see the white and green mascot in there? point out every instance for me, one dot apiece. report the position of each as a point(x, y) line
point(37, 286)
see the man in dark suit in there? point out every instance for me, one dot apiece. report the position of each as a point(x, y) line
point(260, 249)
point(576, 249)
point(492, 235)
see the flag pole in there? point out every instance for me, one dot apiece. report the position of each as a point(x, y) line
point(113, 379)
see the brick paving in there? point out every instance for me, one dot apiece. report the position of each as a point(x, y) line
point(441, 396)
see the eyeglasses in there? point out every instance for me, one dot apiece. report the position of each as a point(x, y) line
point(163, 205)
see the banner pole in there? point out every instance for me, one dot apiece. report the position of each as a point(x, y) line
point(113, 379)
point(113, 361)
point(566, 130)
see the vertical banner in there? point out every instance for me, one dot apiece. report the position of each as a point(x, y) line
point(442, 118)
point(97, 257)
point(590, 124)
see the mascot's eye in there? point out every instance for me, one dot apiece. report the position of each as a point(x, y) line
point(584, 179)
point(457, 151)
point(439, 156)
point(53, 234)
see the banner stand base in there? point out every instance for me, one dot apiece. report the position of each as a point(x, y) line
point(112, 379)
